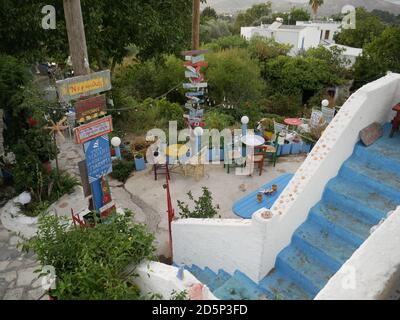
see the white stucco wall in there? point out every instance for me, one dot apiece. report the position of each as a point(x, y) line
point(246, 32)
point(373, 271)
point(252, 246)
point(159, 278)
point(332, 27)
point(311, 37)
point(230, 244)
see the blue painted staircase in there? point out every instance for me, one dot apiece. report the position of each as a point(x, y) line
point(365, 190)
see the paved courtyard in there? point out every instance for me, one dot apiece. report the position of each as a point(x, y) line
point(141, 194)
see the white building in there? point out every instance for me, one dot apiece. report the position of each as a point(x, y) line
point(327, 29)
point(349, 53)
point(300, 37)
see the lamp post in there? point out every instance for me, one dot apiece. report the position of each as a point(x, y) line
point(198, 132)
point(245, 120)
point(116, 142)
point(325, 103)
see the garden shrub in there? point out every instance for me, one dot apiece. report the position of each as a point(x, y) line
point(122, 169)
point(203, 206)
point(91, 263)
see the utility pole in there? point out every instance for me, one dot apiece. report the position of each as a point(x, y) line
point(76, 37)
point(196, 25)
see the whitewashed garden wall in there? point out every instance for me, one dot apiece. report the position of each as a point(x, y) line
point(252, 246)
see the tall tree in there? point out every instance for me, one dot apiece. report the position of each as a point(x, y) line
point(154, 27)
point(253, 15)
point(368, 27)
point(315, 5)
point(379, 57)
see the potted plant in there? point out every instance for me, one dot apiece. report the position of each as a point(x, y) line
point(268, 125)
point(139, 162)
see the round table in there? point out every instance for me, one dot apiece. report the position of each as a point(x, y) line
point(293, 122)
point(253, 140)
point(176, 150)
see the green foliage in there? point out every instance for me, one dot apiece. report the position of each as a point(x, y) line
point(214, 29)
point(387, 17)
point(294, 75)
point(368, 27)
point(228, 42)
point(252, 16)
point(379, 57)
point(233, 75)
point(183, 295)
point(218, 120)
point(154, 27)
point(208, 13)
point(203, 207)
point(122, 170)
point(90, 262)
point(149, 114)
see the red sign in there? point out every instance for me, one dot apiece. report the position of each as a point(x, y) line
point(93, 130)
point(91, 108)
point(198, 64)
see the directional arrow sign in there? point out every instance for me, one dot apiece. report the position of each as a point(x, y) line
point(194, 52)
point(189, 74)
point(197, 59)
point(198, 64)
point(194, 94)
point(195, 85)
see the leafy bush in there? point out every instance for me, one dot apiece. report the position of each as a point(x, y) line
point(90, 263)
point(122, 170)
point(218, 120)
point(229, 42)
point(203, 207)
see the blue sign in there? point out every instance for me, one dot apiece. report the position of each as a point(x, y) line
point(98, 158)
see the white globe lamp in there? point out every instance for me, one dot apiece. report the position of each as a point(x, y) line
point(325, 103)
point(116, 142)
point(245, 120)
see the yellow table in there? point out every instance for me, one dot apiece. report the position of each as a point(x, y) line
point(176, 150)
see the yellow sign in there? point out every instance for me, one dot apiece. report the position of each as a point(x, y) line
point(83, 86)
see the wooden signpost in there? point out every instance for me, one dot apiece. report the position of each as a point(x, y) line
point(84, 86)
point(90, 109)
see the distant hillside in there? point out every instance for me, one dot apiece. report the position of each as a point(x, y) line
point(330, 6)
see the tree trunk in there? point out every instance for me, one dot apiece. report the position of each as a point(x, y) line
point(76, 37)
point(196, 25)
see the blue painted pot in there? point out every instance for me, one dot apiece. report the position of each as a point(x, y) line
point(297, 147)
point(140, 164)
point(286, 149)
point(306, 147)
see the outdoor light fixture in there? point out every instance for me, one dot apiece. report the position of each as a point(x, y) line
point(198, 131)
point(116, 142)
point(325, 103)
point(245, 120)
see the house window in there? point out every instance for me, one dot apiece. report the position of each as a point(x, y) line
point(327, 34)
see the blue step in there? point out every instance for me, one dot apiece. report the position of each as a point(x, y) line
point(385, 182)
point(219, 280)
point(277, 286)
point(304, 269)
point(371, 200)
point(323, 244)
point(203, 276)
point(240, 287)
point(352, 228)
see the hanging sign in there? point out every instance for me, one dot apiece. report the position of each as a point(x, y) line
point(91, 108)
point(98, 158)
point(83, 86)
point(93, 130)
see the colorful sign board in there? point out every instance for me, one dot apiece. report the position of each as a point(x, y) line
point(189, 74)
point(203, 64)
point(194, 52)
point(91, 108)
point(196, 59)
point(98, 158)
point(83, 86)
point(194, 94)
point(195, 85)
point(93, 130)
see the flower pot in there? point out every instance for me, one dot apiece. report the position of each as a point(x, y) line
point(286, 149)
point(296, 147)
point(268, 135)
point(140, 163)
